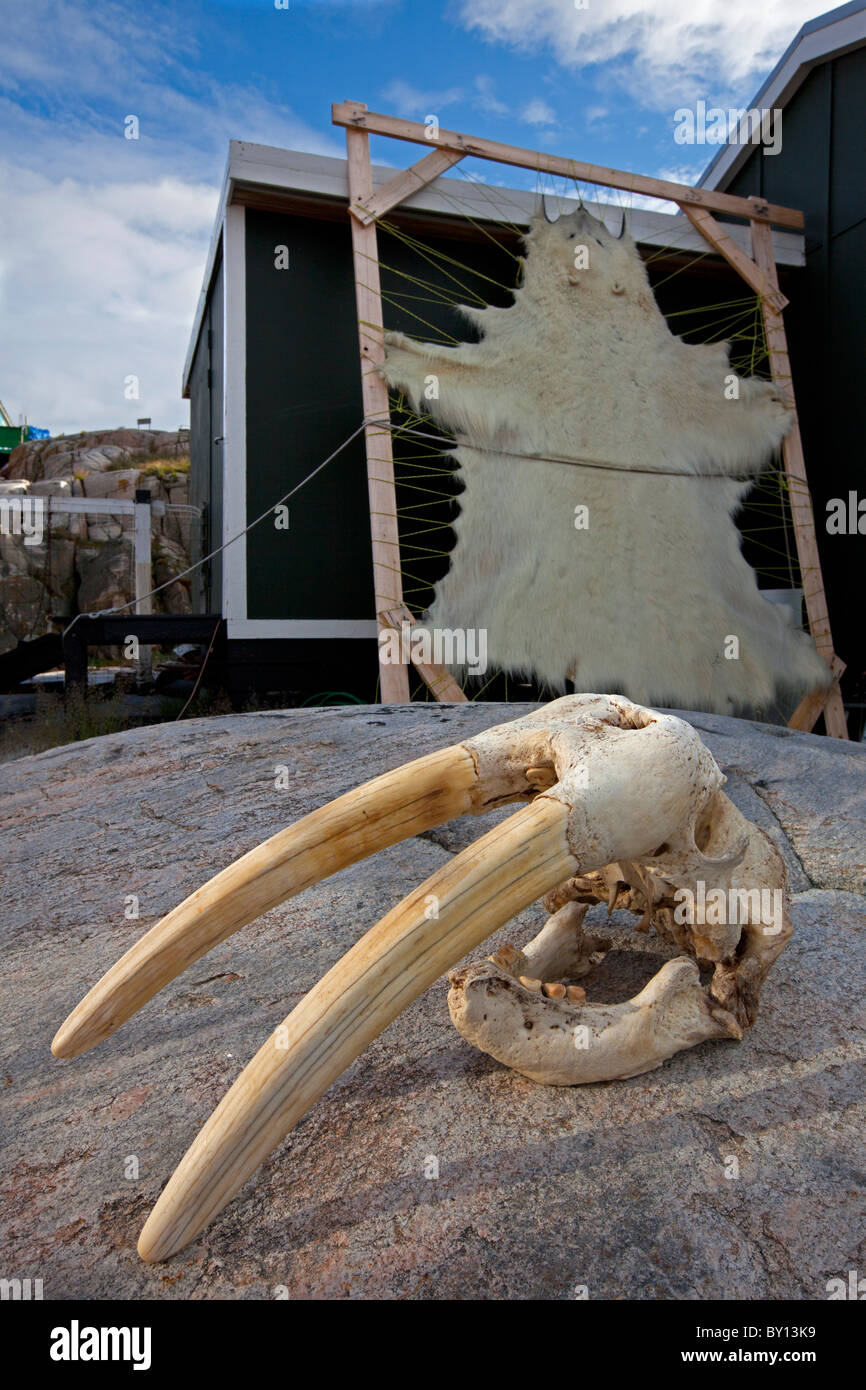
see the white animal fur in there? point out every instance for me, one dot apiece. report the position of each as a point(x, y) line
point(584, 365)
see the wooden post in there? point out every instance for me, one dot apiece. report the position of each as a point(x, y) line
point(798, 490)
point(74, 664)
point(387, 578)
point(143, 576)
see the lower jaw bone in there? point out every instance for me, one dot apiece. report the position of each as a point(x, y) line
point(561, 1043)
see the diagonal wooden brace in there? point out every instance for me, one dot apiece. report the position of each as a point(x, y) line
point(438, 679)
point(806, 714)
point(718, 238)
point(403, 185)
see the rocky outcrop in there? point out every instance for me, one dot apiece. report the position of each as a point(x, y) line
point(428, 1170)
point(91, 452)
point(85, 563)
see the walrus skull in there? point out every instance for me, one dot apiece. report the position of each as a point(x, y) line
point(623, 805)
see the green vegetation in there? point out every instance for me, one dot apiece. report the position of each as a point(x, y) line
point(168, 470)
point(56, 723)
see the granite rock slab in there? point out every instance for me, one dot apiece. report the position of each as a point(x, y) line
point(428, 1171)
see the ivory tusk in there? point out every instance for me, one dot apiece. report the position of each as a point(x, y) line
point(412, 798)
point(481, 888)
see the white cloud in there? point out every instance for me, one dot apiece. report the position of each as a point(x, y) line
point(103, 240)
point(411, 101)
point(596, 113)
point(178, 135)
point(73, 47)
point(666, 53)
point(98, 282)
point(486, 98)
point(670, 174)
point(538, 112)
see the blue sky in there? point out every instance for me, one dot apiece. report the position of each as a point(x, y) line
point(103, 239)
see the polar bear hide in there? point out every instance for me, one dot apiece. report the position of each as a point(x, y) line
point(643, 591)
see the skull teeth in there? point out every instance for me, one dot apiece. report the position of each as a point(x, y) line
point(551, 989)
point(554, 989)
point(507, 957)
point(541, 778)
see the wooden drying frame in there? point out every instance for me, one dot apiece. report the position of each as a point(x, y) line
point(699, 205)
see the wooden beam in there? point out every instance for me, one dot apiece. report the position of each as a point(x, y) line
point(806, 714)
point(396, 190)
point(718, 238)
point(143, 577)
point(802, 516)
point(438, 679)
point(101, 506)
point(142, 550)
point(355, 116)
point(387, 576)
